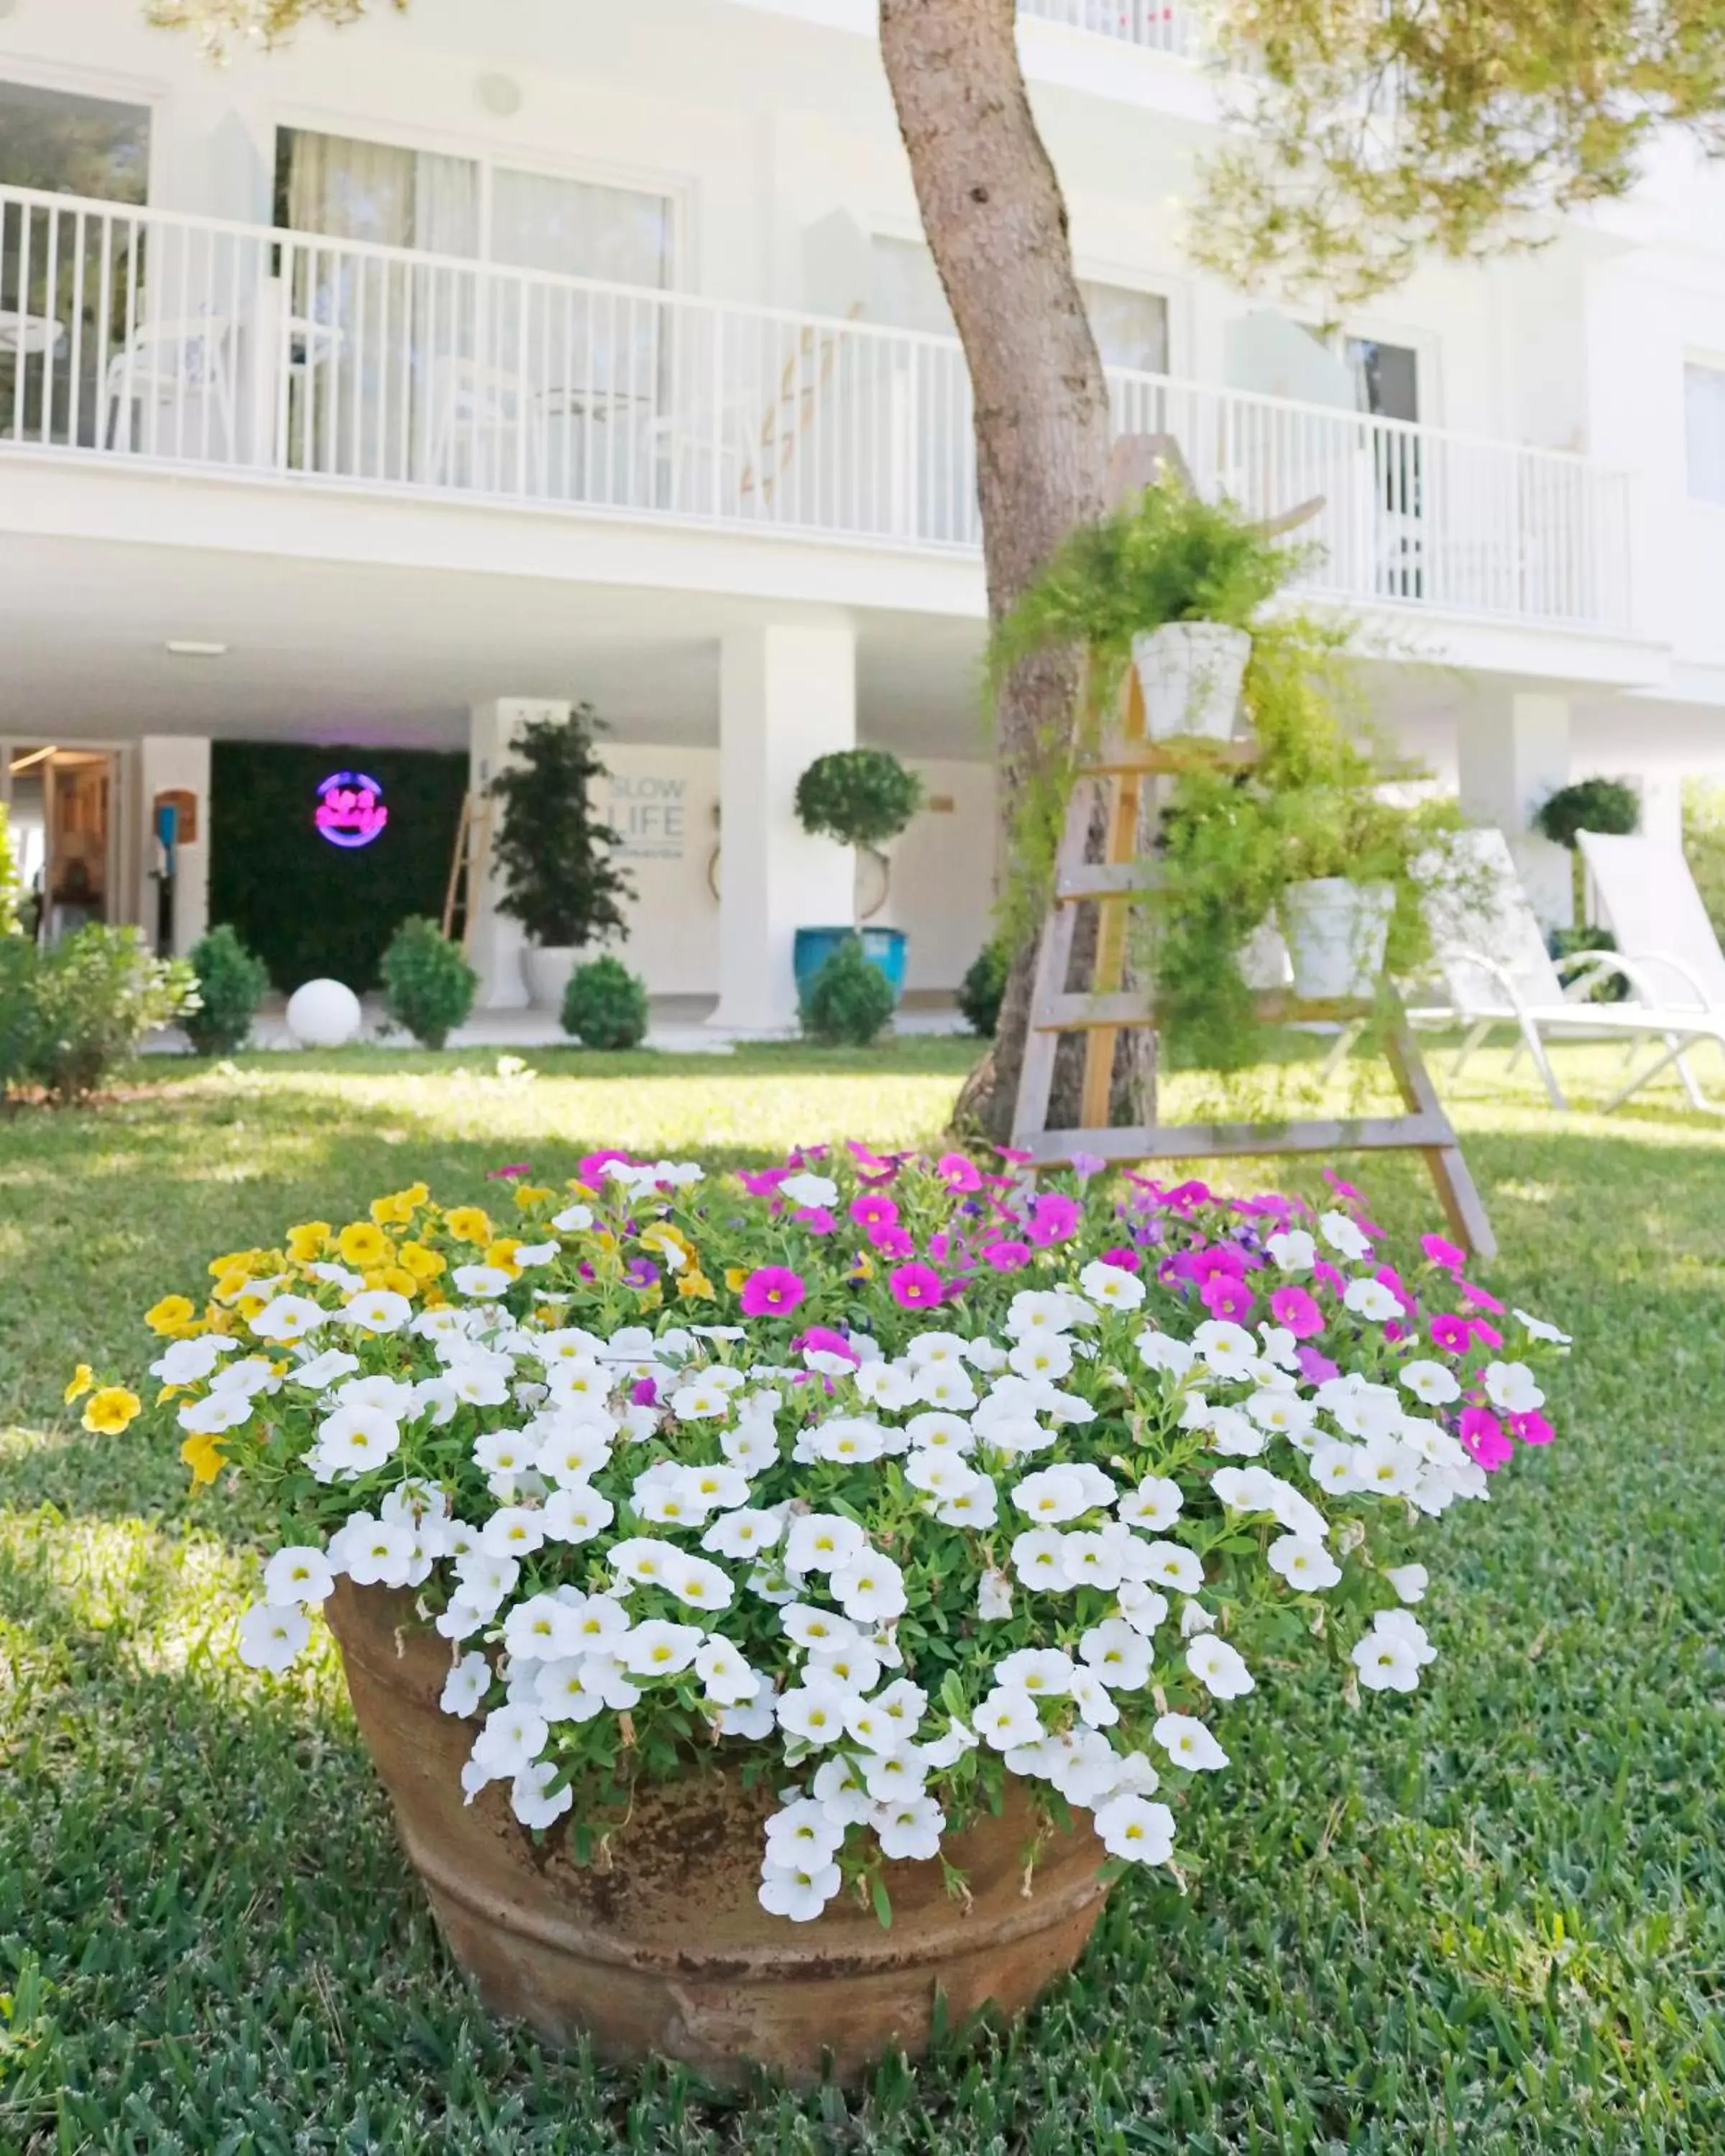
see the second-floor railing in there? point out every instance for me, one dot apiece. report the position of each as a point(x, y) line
point(1161, 25)
point(142, 334)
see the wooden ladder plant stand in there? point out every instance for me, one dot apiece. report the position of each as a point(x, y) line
point(1114, 779)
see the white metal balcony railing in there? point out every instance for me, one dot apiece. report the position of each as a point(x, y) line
point(1161, 25)
point(144, 335)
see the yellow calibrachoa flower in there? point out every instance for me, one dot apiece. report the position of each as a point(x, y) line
point(363, 1243)
point(735, 1278)
point(307, 1243)
point(670, 1243)
point(695, 1286)
point(469, 1224)
point(399, 1281)
point(501, 1254)
point(424, 1265)
point(249, 1306)
point(528, 1194)
point(83, 1377)
point(203, 1456)
point(398, 1210)
point(234, 1284)
point(237, 1261)
point(111, 1409)
point(175, 1314)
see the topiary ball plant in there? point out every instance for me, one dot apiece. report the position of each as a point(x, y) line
point(605, 1005)
point(232, 982)
point(862, 796)
point(984, 988)
point(428, 985)
point(849, 999)
point(1605, 805)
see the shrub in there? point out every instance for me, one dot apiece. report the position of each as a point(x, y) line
point(605, 1005)
point(18, 1009)
point(1608, 988)
point(862, 796)
point(8, 878)
point(428, 986)
point(553, 852)
point(982, 989)
point(231, 984)
point(91, 1000)
point(1704, 845)
point(849, 998)
point(1591, 804)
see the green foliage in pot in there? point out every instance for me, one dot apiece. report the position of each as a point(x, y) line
point(1605, 805)
point(231, 985)
point(849, 999)
point(983, 987)
point(1704, 845)
point(428, 986)
point(862, 796)
point(553, 851)
point(605, 1005)
point(91, 1000)
point(1314, 804)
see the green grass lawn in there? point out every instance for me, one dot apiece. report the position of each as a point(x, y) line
point(1491, 1917)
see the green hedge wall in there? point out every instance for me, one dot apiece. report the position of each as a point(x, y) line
point(309, 908)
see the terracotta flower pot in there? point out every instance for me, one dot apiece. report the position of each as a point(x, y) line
point(666, 1950)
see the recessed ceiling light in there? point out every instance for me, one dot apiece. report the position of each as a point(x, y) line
point(501, 93)
point(188, 647)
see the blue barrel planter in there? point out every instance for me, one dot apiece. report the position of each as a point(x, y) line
point(884, 948)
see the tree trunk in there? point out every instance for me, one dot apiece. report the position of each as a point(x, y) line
point(997, 226)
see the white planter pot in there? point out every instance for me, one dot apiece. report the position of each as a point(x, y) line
point(1190, 673)
point(1336, 933)
point(547, 967)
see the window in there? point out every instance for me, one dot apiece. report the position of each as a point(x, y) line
point(1704, 431)
point(1131, 327)
point(1386, 379)
point(73, 146)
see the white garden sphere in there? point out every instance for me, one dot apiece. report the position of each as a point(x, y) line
point(323, 1014)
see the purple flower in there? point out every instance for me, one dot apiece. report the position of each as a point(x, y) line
point(1087, 1164)
point(770, 1291)
point(644, 1392)
point(641, 1273)
point(1316, 1369)
point(916, 1286)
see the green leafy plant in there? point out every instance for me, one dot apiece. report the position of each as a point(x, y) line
point(981, 990)
point(847, 1000)
point(1590, 805)
point(1704, 845)
point(554, 853)
point(1608, 988)
point(862, 796)
point(91, 1000)
point(8, 878)
point(18, 1010)
point(605, 1005)
point(428, 986)
point(232, 982)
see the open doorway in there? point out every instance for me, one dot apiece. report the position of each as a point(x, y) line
point(61, 804)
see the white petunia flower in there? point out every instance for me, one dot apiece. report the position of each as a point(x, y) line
point(743, 1533)
point(297, 1574)
point(513, 1531)
point(803, 1833)
point(1218, 1667)
point(272, 1639)
point(1293, 1251)
point(1039, 1557)
point(1132, 1828)
point(1431, 1383)
point(1155, 1503)
point(814, 1713)
point(379, 1310)
point(940, 1432)
point(572, 1220)
point(945, 1385)
point(482, 1281)
point(853, 1666)
point(1225, 1348)
point(1171, 1564)
point(658, 1649)
point(1044, 1672)
point(870, 1589)
point(1305, 1565)
point(993, 1597)
point(1044, 1355)
point(1142, 1607)
point(1118, 1653)
point(1510, 1388)
point(533, 1800)
point(812, 1191)
point(699, 1584)
point(216, 1412)
point(799, 1894)
point(818, 1631)
point(1111, 1287)
point(354, 1439)
point(1038, 1310)
point(1161, 1351)
point(382, 1555)
point(1051, 1495)
point(824, 1542)
point(1537, 1328)
point(725, 1676)
point(465, 1686)
point(912, 1829)
point(512, 1738)
point(1371, 1299)
point(1385, 1662)
point(288, 1318)
point(575, 1513)
point(1189, 1743)
point(542, 1629)
point(1344, 1235)
point(1409, 1581)
point(186, 1362)
point(1008, 1718)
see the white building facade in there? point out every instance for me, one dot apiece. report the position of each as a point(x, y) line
point(390, 388)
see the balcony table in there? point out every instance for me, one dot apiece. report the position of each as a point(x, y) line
point(25, 335)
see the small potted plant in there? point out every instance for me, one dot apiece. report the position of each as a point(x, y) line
point(555, 854)
point(1170, 587)
point(863, 797)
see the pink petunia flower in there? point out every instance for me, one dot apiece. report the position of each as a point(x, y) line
point(1450, 1333)
point(509, 1174)
point(822, 1340)
point(1478, 1298)
point(1123, 1255)
point(1325, 1274)
point(1316, 1369)
point(816, 1218)
point(1531, 1428)
point(644, 1392)
point(1225, 1296)
point(916, 1286)
point(891, 1242)
point(1392, 1281)
point(958, 1172)
point(1298, 1310)
point(1054, 1217)
point(1446, 1255)
point(593, 1164)
point(770, 1291)
point(1219, 1260)
point(1483, 1435)
point(874, 1209)
point(1006, 1256)
point(761, 1182)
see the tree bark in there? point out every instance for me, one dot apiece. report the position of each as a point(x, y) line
point(998, 229)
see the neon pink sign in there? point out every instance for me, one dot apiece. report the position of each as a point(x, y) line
point(350, 809)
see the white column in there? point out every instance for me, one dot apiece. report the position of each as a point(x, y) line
point(1511, 754)
point(176, 764)
point(786, 695)
point(494, 942)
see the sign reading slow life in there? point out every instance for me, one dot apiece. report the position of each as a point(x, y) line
point(650, 813)
point(351, 809)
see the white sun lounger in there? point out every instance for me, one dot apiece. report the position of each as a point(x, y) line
point(1492, 952)
point(1669, 951)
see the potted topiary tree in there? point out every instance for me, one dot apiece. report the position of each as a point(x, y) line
point(863, 797)
point(554, 853)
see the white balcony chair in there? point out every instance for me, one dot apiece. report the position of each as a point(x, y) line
point(173, 365)
point(1491, 952)
point(495, 418)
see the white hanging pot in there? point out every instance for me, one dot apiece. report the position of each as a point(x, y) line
point(1190, 673)
point(1337, 930)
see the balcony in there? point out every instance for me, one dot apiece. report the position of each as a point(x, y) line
point(1158, 26)
point(144, 339)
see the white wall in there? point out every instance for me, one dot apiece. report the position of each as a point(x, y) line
point(663, 803)
point(177, 762)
